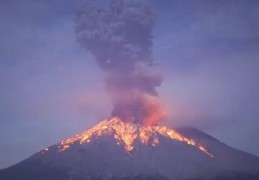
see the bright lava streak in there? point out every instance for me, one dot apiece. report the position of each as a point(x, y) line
point(128, 133)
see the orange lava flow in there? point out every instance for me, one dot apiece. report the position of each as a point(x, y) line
point(127, 133)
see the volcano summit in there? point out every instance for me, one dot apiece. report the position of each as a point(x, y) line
point(116, 150)
point(128, 133)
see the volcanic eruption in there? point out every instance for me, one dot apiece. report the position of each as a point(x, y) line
point(131, 143)
point(120, 39)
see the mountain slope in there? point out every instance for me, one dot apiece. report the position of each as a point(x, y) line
point(103, 158)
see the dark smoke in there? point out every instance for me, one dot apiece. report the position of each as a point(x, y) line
point(120, 38)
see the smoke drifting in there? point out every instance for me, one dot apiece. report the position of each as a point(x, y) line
point(119, 36)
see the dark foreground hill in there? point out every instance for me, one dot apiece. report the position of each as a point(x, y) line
point(103, 158)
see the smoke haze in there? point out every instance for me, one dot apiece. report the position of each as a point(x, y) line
point(120, 39)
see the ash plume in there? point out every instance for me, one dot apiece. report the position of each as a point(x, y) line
point(119, 36)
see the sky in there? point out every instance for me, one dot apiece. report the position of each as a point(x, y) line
point(51, 88)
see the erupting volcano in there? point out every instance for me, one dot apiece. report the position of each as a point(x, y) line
point(132, 144)
point(118, 150)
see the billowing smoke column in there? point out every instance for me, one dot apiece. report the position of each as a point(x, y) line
point(119, 36)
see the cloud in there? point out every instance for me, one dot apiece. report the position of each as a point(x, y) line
point(119, 37)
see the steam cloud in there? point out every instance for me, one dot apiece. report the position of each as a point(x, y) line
point(119, 36)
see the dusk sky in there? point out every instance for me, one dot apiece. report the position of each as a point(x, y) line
point(51, 88)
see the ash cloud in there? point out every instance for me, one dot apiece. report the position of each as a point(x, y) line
point(119, 36)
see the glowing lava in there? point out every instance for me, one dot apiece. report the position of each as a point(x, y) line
point(127, 133)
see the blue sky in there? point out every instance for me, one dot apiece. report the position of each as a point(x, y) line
point(51, 89)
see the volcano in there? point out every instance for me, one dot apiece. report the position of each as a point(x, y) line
point(116, 150)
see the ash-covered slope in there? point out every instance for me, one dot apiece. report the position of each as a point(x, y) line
point(103, 158)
